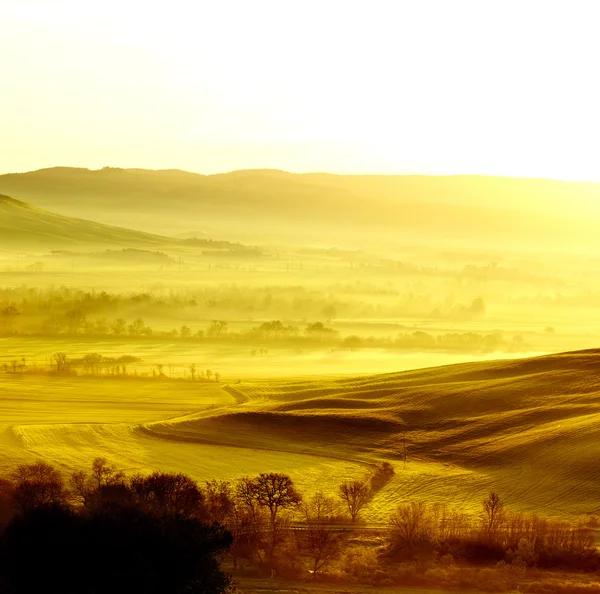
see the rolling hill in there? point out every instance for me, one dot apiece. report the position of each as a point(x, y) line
point(23, 226)
point(334, 209)
point(528, 429)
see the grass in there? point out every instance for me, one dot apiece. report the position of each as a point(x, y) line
point(529, 429)
point(233, 361)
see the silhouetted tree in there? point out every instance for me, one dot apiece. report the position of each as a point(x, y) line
point(93, 489)
point(117, 550)
point(413, 523)
point(61, 361)
point(164, 493)
point(492, 517)
point(273, 491)
point(356, 495)
point(38, 485)
point(219, 501)
point(322, 545)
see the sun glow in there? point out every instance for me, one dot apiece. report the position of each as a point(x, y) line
point(403, 87)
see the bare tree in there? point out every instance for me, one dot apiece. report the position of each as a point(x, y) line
point(356, 495)
point(38, 485)
point(105, 474)
point(412, 523)
point(322, 545)
point(219, 501)
point(273, 491)
point(217, 328)
point(319, 541)
point(193, 369)
point(321, 508)
point(492, 517)
point(164, 493)
point(62, 362)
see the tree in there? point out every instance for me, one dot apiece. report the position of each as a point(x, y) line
point(105, 474)
point(219, 501)
point(492, 517)
point(136, 328)
point(356, 495)
point(38, 485)
point(163, 493)
point(121, 550)
point(412, 524)
point(319, 330)
point(273, 491)
point(321, 508)
point(8, 315)
point(119, 327)
point(193, 369)
point(62, 362)
point(322, 545)
point(87, 487)
point(216, 329)
point(75, 320)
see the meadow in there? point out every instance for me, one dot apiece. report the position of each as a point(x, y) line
point(253, 351)
point(468, 428)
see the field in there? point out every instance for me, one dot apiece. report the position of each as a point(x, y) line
point(316, 358)
point(527, 428)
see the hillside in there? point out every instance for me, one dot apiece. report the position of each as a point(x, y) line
point(335, 209)
point(528, 429)
point(23, 226)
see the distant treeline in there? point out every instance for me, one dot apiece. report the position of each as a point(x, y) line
point(164, 532)
point(97, 365)
point(74, 313)
point(61, 309)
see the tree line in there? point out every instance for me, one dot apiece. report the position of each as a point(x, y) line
point(63, 309)
point(99, 530)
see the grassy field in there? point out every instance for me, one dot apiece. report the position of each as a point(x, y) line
point(233, 361)
point(529, 429)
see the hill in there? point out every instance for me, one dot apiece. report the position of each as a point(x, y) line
point(335, 209)
point(23, 226)
point(528, 428)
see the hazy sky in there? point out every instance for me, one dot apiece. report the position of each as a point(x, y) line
point(448, 86)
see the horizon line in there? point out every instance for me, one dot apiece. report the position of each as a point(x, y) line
point(285, 171)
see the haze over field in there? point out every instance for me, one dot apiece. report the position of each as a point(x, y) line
point(327, 271)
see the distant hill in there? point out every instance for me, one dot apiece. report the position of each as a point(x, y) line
point(26, 227)
point(334, 209)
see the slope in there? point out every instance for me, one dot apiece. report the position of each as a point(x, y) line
point(344, 209)
point(529, 428)
point(26, 227)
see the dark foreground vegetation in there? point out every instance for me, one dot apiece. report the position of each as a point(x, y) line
point(100, 531)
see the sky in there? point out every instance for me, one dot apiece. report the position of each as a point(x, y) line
point(345, 86)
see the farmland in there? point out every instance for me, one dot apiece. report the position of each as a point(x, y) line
point(470, 428)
